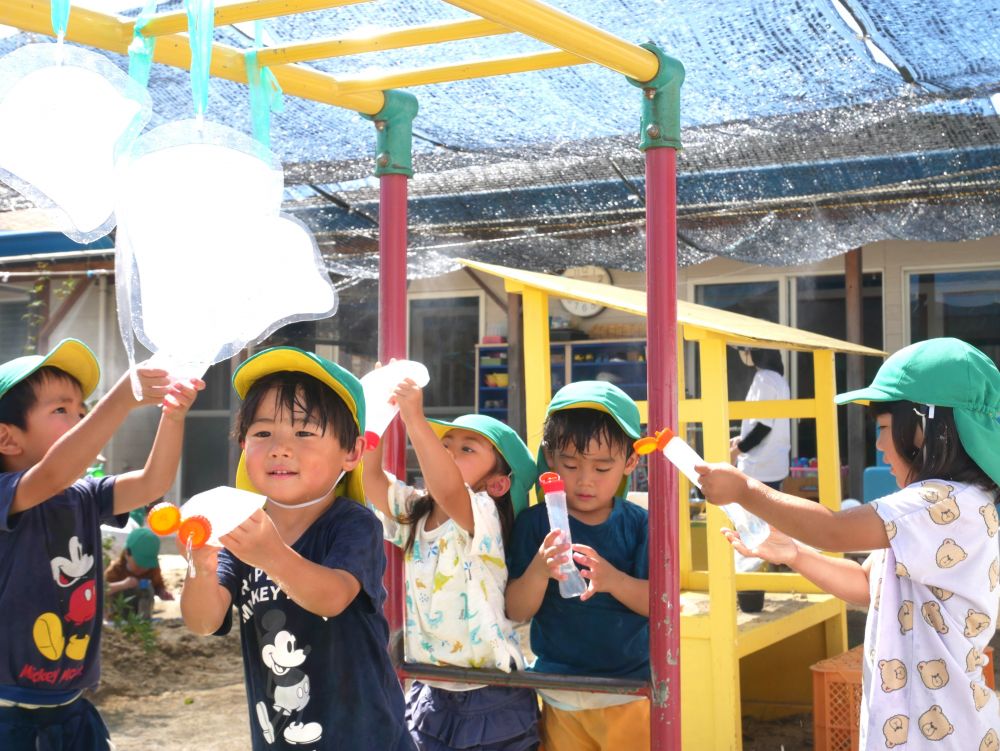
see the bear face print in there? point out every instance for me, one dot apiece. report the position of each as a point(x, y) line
point(934, 724)
point(893, 674)
point(944, 512)
point(949, 554)
point(994, 574)
point(990, 741)
point(895, 730)
point(941, 594)
point(980, 695)
point(975, 623)
point(890, 529)
point(933, 492)
point(878, 595)
point(901, 570)
point(933, 673)
point(975, 659)
point(989, 514)
point(905, 616)
point(931, 611)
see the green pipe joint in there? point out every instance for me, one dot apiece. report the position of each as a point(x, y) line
point(661, 102)
point(394, 134)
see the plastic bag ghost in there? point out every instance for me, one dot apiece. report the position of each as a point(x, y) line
point(65, 113)
point(205, 261)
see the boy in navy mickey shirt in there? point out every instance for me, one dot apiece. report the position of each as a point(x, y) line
point(51, 588)
point(305, 572)
point(587, 439)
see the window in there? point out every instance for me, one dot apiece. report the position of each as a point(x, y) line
point(962, 304)
point(443, 335)
point(13, 328)
point(205, 456)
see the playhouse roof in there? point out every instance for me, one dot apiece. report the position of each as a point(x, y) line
point(739, 329)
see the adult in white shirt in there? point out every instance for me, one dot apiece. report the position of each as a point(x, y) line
point(761, 449)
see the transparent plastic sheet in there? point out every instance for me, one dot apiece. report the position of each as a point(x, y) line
point(201, 27)
point(265, 92)
point(786, 117)
point(43, 87)
point(140, 51)
point(205, 261)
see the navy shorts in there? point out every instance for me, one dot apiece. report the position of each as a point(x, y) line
point(74, 727)
point(492, 718)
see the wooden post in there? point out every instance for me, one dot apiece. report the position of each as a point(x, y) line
point(515, 365)
point(856, 438)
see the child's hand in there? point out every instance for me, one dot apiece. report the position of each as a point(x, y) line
point(205, 560)
point(553, 554)
point(722, 483)
point(256, 542)
point(154, 382)
point(734, 449)
point(601, 576)
point(180, 397)
point(165, 594)
point(778, 548)
point(410, 398)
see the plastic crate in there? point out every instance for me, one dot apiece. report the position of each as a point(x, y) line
point(837, 699)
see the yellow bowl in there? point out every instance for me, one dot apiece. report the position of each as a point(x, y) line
point(502, 379)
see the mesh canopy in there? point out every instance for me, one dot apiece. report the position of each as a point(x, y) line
point(809, 127)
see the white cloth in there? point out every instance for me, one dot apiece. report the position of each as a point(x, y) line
point(768, 460)
point(934, 601)
point(455, 583)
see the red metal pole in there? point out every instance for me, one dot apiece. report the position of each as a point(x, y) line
point(664, 516)
point(392, 343)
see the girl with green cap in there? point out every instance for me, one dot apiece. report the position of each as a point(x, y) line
point(477, 472)
point(932, 580)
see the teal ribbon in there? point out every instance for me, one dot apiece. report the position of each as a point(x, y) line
point(60, 18)
point(201, 25)
point(140, 51)
point(265, 91)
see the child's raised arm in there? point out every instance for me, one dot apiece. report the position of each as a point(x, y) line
point(441, 475)
point(69, 457)
point(375, 481)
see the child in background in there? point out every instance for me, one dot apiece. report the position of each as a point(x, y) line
point(478, 473)
point(932, 581)
point(305, 572)
point(51, 591)
point(587, 439)
point(136, 575)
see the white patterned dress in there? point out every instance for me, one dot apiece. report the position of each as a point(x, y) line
point(934, 599)
point(455, 586)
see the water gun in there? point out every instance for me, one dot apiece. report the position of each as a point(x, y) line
point(555, 505)
point(205, 517)
point(379, 386)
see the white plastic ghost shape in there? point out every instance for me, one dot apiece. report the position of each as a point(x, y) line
point(206, 263)
point(65, 113)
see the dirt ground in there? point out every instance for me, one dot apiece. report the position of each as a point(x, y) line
point(187, 694)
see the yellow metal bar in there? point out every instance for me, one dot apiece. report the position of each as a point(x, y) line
point(768, 581)
point(109, 33)
point(500, 66)
point(777, 408)
point(725, 715)
point(683, 484)
point(567, 33)
point(824, 608)
point(827, 441)
point(537, 387)
point(247, 10)
point(391, 39)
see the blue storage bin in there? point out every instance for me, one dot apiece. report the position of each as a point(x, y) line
point(878, 481)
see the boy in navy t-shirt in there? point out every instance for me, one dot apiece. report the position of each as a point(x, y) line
point(587, 439)
point(51, 589)
point(305, 574)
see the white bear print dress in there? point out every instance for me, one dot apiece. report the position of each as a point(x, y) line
point(934, 598)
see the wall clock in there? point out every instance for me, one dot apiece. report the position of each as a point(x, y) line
point(596, 274)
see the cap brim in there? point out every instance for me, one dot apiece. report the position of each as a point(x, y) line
point(350, 485)
point(277, 360)
point(864, 396)
point(628, 430)
point(74, 357)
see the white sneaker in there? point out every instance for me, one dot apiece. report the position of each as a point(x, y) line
point(298, 732)
point(265, 722)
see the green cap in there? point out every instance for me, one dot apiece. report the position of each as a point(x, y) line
point(344, 383)
point(70, 355)
point(604, 397)
point(144, 547)
point(945, 372)
point(510, 446)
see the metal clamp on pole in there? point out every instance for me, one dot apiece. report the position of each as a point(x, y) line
point(661, 102)
point(394, 134)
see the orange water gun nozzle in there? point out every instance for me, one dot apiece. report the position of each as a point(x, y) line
point(194, 531)
point(655, 442)
point(164, 518)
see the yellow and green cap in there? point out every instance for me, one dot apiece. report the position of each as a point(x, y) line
point(945, 372)
point(504, 440)
point(344, 383)
point(604, 397)
point(70, 355)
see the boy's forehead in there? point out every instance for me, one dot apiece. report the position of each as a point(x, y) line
point(57, 386)
point(597, 449)
point(273, 407)
point(460, 434)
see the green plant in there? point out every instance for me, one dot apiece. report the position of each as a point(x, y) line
point(122, 610)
